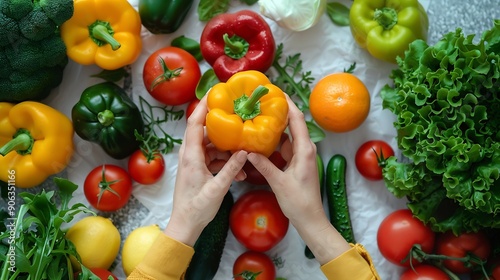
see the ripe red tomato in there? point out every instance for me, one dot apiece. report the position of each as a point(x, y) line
point(170, 75)
point(459, 246)
point(103, 273)
point(108, 187)
point(253, 175)
point(398, 232)
point(257, 221)
point(424, 272)
point(145, 172)
point(368, 157)
point(254, 263)
point(495, 270)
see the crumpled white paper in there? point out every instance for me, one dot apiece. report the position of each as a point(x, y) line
point(325, 48)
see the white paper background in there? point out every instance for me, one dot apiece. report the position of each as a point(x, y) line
point(325, 48)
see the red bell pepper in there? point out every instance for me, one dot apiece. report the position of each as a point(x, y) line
point(234, 42)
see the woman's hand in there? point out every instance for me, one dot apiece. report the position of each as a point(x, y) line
point(297, 189)
point(198, 193)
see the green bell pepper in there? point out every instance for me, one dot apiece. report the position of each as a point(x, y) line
point(163, 16)
point(107, 116)
point(387, 27)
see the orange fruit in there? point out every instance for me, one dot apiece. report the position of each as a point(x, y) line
point(339, 102)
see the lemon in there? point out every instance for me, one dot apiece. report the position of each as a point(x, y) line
point(97, 241)
point(137, 245)
point(296, 15)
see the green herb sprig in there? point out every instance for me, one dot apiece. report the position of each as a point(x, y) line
point(288, 72)
point(155, 137)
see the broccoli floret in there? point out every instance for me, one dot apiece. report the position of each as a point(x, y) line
point(26, 56)
point(32, 70)
point(36, 25)
point(5, 68)
point(9, 31)
point(58, 11)
point(32, 53)
point(33, 86)
point(16, 9)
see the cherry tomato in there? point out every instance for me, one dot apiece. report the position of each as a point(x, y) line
point(108, 187)
point(449, 244)
point(191, 106)
point(252, 263)
point(145, 172)
point(257, 221)
point(253, 175)
point(424, 272)
point(495, 269)
point(398, 232)
point(170, 75)
point(368, 158)
point(103, 273)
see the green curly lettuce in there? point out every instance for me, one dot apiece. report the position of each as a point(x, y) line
point(446, 99)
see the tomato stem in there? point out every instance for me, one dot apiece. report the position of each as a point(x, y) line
point(105, 185)
point(469, 260)
point(248, 275)
point(166, 75)
point(380, 157)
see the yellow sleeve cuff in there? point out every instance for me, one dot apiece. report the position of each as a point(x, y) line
point(355, 263)
point(167, 259)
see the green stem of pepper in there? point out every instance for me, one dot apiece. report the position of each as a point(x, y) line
point(22, 142)
point(106, 117)
point(101, 33)
point(235, 47)
point(249, 107)
point(386, 17)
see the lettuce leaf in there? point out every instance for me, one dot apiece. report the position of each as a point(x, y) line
point(446, 98)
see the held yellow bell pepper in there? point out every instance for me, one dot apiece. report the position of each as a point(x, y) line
point(246, 113)
point(36, 141)
point(103, 32)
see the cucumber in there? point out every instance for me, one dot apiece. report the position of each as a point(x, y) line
point(321, 174)
point(209, 246)
point(336, 195)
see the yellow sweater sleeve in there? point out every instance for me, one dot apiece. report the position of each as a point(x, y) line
point(355, 263)
point(167, 259)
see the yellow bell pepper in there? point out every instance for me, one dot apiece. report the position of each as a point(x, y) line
point(36, 141)
point(246, 113)
point(103, 32)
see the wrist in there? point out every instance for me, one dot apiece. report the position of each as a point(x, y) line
point(181, 231)
point(325, 242)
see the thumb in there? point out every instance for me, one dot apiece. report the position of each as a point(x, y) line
point(265, 167)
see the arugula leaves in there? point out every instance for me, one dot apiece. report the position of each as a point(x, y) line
point(33, 244)
point(300, 87)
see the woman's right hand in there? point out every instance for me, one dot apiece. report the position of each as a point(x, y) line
point(297, 189)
